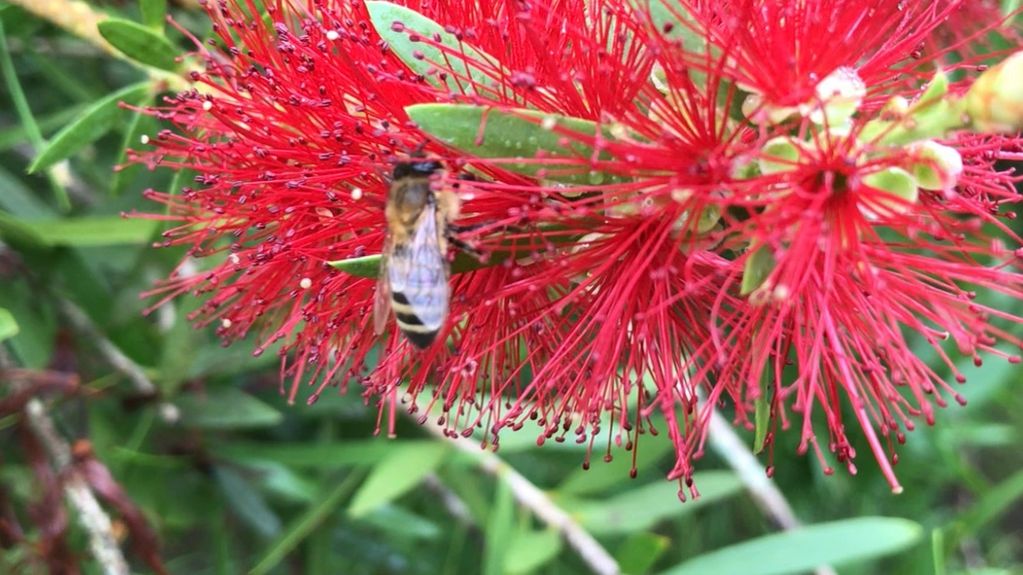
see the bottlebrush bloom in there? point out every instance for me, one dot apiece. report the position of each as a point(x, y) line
point(673, 202)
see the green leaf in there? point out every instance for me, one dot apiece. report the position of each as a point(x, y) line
point(369, 266)
point(640, 551)
point(642, 508)
point(400, 523)
point(247, 502)
point(804, 549)
point(139, 43)
point(513, 134)
point(682, 25)
point(8, 326)
point(997, 501)
point(153, 13)
point(138, 125)
point(762, 411)
point(759, 265)
point(305, 524)
point(19, 233)
point(895, 181)
point(530, 550)
point(37, 323)
point(228, 408)
point(317, 455)
point(500, 524)
point(18, 200)
point(462, 59)
point(400, 471)
point(602, 475)
point(363, 267)
point(95, 122)
point(24, 112)
point(83, 232)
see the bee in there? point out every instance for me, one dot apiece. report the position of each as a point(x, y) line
point(414, 267)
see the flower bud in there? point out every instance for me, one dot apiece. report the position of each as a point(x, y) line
point(995, 101)
point(895, 182)
point(779, 155)
point(937, 167)
point(840, 95)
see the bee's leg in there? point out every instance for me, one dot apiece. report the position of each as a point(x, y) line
point(463, 228)
point(462, 245)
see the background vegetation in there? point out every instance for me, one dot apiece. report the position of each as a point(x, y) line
point(232, 479)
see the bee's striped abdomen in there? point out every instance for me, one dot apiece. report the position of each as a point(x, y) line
point(420, 298)
point(414, 328)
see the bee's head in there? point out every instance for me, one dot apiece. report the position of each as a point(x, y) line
point(420, 168)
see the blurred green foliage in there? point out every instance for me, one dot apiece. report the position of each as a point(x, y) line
point(235, 480)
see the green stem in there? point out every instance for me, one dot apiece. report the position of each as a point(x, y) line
point(28, 121)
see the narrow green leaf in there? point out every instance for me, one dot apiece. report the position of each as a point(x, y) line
point(938, 551)
point(138, 125)
point(400, 471)
point(642, 508)
point(50, 123)
point(8, 326)
point(83, 232)
point(400, 523)
point(93, 124)
point(18, 200)
point(602, 475)
point(994, 503)
point(153, 13)
point(674, 19)
point(530, 550)
point(317, 455)
point(513, 134)
point(500, 524)
point(402, 28)
point(640, 551)
point(762, 411)
point(26, 117)
point(247, 502)
point(804, 549)
point(37, 325)
point(363, 267)
point(19, 233)
point(139, 43)
point(305, 524)
point(759, 265)
point(228, 408)
point(369, 266)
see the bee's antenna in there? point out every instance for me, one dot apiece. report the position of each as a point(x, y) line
point(418, 151)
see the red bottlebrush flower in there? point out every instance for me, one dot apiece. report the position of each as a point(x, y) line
point(855, 273)
point(616, 204)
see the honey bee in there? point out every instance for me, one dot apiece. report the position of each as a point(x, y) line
point(414, 267)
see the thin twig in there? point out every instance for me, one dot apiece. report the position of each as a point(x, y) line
point(91, 515)
point(115, 357)
point(451, 501)
point(751, 473)
point(94, 520)
point(534, 499)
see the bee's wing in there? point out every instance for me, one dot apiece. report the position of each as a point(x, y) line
point(418, 272)
point(382, 299)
